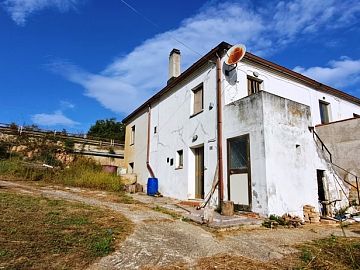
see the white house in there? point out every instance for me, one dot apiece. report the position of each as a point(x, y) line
point(249, 129)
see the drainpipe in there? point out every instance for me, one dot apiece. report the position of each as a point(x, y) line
point(219, 130)
point(148, 146)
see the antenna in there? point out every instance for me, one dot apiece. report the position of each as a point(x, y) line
point(233, 56)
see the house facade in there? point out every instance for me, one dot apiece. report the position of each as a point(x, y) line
point(270, 159)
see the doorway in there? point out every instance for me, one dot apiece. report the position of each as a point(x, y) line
point(239, 176)
point(199, 172)
point(321, 192)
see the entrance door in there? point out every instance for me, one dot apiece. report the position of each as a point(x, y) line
point(199, 172)
point(321, 191)
point(239, 181)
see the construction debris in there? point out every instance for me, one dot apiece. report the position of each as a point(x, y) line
point(310, 214)
point(286, 220)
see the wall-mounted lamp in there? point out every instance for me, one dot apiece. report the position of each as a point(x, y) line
point(194, 138)
point(211, 105)
point(256, 74)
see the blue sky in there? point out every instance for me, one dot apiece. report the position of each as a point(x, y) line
point(67, 63)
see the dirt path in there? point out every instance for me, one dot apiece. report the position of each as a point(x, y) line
point(160, 240)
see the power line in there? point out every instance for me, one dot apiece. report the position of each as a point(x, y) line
point(158, 27)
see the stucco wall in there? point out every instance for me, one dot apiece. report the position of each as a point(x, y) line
point(343, 141)
point(136, 152)
point(243, 117)
point(283, 183)
point(289, 147)
point(277, 84)
point(175, 131)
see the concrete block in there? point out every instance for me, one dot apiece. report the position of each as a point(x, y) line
point(227, 208)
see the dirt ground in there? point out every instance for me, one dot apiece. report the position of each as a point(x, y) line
point(161, 241)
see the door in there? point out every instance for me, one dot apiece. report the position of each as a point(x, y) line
point(239, 180)
point(321, 191)
point(199, 172)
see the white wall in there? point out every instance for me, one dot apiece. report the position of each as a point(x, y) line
point(271, 138)
point(175, 130)
point(246, 117)
point(288, 88)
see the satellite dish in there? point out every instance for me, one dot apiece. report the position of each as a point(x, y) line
point(235, 54)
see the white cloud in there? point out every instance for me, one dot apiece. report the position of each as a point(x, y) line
point(66, 105)
point(55, 119)
point(338, 73)
point(131, 79)
point(19, 10)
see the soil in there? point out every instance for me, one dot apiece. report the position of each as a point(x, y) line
point(160, 241)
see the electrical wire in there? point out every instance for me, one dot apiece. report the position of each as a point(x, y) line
point(158, 27)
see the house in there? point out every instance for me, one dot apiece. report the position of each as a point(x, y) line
point(251, 130)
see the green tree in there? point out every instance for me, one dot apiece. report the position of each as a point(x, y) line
point(108, 129)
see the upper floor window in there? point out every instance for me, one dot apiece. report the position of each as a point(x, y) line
point(254, 85)
point(198, 98)
point(179, 159)
point(324, 112)
point(132, 135)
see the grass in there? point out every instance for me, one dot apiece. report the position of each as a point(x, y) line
point(330, 253)
point(40, 233)
point(166, 211)
point(81, 173)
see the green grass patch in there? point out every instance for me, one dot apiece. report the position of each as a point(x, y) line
point(166, 211)
point(81, 173)
point(330, 253)
point(40, 233)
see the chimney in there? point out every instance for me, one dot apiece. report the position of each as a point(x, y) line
point(174, 64)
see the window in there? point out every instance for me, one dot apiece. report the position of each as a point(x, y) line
point(324, 112)
point(179, 159)
point(155, 129)
point(132, 138)
point(254, 85)
point(171, 162)
point(131, 167)
point(198, 94)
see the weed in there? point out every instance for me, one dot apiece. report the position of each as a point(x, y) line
point(306, 255)
point(169, 212)
point(47, 234)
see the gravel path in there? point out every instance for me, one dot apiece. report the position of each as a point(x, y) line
point(160, 240)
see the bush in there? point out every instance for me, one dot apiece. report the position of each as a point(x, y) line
point(87, 173)
point(4, 150)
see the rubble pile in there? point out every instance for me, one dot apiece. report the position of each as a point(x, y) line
point(310, 214)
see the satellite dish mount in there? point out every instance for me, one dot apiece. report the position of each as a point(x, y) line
point(233, 56)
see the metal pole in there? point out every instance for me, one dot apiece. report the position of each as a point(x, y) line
point(219, 131)
point(357, 187)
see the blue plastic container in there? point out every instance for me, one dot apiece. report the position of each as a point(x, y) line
point(152, 186)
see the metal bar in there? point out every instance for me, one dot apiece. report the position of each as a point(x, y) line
point(219, 130)
point(357, 186)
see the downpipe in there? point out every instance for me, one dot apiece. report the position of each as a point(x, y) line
point(148, 166)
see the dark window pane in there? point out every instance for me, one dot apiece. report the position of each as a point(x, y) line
point(238, 154)
point(324, 112)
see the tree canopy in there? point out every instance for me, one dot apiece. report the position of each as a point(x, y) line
point(108, 129)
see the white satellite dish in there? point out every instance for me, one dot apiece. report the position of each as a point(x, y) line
point(235, 54)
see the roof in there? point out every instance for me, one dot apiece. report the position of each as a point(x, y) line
point(219, 49)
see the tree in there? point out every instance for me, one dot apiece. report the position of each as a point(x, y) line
point(108, 129)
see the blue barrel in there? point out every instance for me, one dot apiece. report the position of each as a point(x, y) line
point(152, 186)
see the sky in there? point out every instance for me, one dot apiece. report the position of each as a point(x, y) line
point(66, 63)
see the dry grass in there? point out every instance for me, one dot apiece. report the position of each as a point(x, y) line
point(39, 233)
point(338, 253)
point(81, 173)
